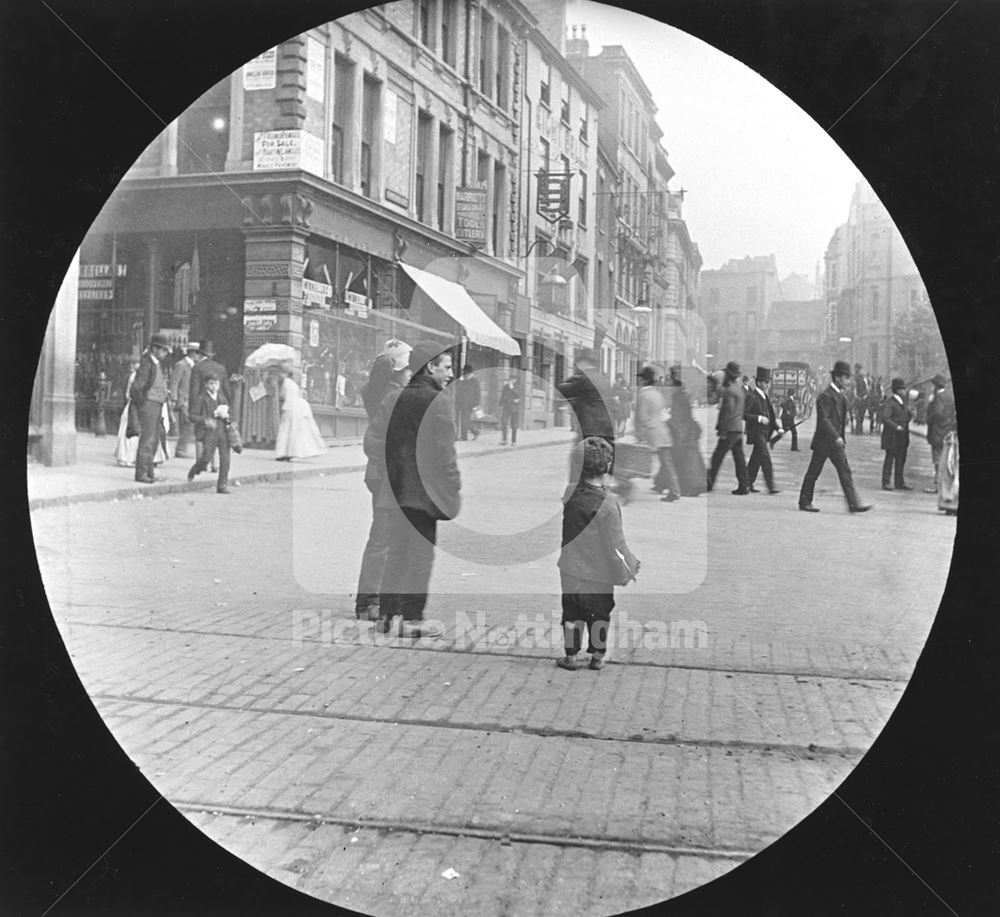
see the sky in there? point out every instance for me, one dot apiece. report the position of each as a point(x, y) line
point(780, 191)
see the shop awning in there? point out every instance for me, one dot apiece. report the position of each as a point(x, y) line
point(453, 298)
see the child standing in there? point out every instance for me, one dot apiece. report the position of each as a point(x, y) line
point(594, 558)
point(210, 414)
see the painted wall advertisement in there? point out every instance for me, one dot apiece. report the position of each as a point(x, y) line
point(261, 72)
point(293, 149)
point(470, 215)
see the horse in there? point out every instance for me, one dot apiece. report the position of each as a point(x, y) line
point(876, 395)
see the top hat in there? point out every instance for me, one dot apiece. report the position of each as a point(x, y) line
point(763, 374)
point(898, 384)
point(423, 353)
point(647, 374)
point(160, 339)
point(841, 368)
point(398, 353)
point(732, 368)
point(207, 349)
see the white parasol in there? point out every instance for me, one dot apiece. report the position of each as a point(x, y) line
point(269, 355)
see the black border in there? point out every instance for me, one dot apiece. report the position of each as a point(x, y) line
point(925, 136)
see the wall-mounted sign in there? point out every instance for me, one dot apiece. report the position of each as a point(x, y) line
point(315, 69)
point(251, 306)
point(470, 215)
point(357, 304)
point(261, 72)
point(317, 295)
point(259, 322)
point(102, 270)
point(293, 149)
point(553, 195)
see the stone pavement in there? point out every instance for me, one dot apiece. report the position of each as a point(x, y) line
point(361, 769)
point(95, 475)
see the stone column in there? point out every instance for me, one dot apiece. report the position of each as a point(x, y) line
point(56, 376)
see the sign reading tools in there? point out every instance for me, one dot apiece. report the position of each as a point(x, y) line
point(470, 215)
point(553, 195)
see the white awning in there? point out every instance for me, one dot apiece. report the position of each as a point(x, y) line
point(455, 300)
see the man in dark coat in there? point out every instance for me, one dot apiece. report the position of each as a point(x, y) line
point(588, 392)
point(729, 426)
point(788, 418)
point(205, 367)
point(829, 443)
point(413, 436)
point(149, 392)
point(940, 422)
point(895, 437)
point(467, 399)
point(510, 410)
point(762, 423)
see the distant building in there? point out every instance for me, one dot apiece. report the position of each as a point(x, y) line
point(734, 303)
point(794, 331)
point(872, 284)
point(797, 288)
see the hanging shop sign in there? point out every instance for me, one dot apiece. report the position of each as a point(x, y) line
point(316, 295)
point(553, 195)
point(293, 149)
point(261, 72)
point(470, 215)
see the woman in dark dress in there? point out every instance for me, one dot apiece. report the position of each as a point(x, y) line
point(686, 434)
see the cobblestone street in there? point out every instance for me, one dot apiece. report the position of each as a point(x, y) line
point(752, 665)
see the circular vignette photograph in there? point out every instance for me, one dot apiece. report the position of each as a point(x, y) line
point(527, 451)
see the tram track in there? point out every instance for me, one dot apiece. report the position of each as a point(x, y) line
point(794, 750)
point(505, 837)
point(393, 643)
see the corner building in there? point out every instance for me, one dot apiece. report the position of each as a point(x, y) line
point(287, 203)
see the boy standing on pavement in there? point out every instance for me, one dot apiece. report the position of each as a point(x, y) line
point(594, 558)
point(211, 421)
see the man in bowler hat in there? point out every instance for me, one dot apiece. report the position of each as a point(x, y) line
point(729, 426)
point(895, 437)
point(762, 423)
point(829, 443)
point(149, 393)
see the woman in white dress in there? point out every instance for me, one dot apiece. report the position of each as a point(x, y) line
point(298, 434)
point(126, 446)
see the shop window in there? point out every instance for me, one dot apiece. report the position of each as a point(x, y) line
point(203, 132)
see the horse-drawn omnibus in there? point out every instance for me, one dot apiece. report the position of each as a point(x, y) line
point(800, 380)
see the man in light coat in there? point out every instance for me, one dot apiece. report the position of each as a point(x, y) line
point(652, 429)
point(180, 398)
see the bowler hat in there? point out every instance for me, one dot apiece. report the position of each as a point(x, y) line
point(898, 384)
point(423, 353)
point(763, 374)
point(732, 368)
point(647, 374)
point(841, 368)
point(160, 339)
point(939, 381)
point(207, 349)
